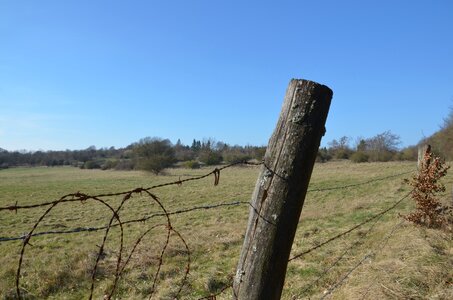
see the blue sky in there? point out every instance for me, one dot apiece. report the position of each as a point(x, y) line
point(107, 73)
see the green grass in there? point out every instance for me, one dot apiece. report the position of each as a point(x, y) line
point(415, 263)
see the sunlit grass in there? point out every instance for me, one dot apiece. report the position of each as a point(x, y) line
point(60, 266)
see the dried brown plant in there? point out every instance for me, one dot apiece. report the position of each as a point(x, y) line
point(429, 211)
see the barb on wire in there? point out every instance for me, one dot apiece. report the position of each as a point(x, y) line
point(299, 255)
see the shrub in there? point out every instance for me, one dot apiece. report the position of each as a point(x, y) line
point(342, 153)
point(192, 164)
point(210, 157)
point(234, 157)
point(360, 157)
point(109, 164)
point(155, 164)
point(154, 154)
point(125, 164)
point(323, 155)
point(91, 164)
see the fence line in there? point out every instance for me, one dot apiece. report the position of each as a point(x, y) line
point(178, 182)
point(16, 207)
point(123, 258)
point(376, 218)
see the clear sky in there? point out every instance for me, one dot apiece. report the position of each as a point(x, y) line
point(107, 73)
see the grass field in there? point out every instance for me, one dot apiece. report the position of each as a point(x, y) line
point(389, 261)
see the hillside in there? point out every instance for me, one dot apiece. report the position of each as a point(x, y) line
point(442, 141)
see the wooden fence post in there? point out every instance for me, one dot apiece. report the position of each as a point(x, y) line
point(422, 149)
point(280, 191)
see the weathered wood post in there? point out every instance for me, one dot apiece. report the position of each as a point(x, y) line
point(422, 150)
point(280, 191)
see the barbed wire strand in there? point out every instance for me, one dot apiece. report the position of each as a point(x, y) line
point(384, 243)
point(360, 183)
point(144, 219)
point(214, 172)
point(140, 220)
point(115, 215)
point(340, 258)
point(373, 282)
point(26, 240)
point(16, 207)
point(299, 255)
point(126, 196)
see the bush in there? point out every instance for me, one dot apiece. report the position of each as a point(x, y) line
point(342, 153)
point(360, 157)
point(109, 164)
point(191, 164)
point(154, 154)
point(410, 153)
point(91, 164)
point(125, 164)
point(155, 164)
point(210, 157)
point(234, 157)
point(323, 155)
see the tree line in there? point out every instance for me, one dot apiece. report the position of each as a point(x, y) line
point(379, 148)
point(442, 140)
point(156, 154)
point(151, 154)
point(384, 146)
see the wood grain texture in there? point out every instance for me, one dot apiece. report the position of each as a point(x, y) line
point(280, 191)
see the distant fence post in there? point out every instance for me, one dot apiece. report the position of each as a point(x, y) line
point(280, 191)
point(422, 149)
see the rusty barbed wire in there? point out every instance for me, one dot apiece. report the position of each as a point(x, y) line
point(115, 216)
point(123, 259)
point(120, 265)
point(139, 220)
point(215, 172)
point(26, 240)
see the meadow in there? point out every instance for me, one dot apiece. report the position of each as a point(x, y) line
point(387, 258)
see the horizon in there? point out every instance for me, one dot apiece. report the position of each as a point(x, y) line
point(78, 73)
